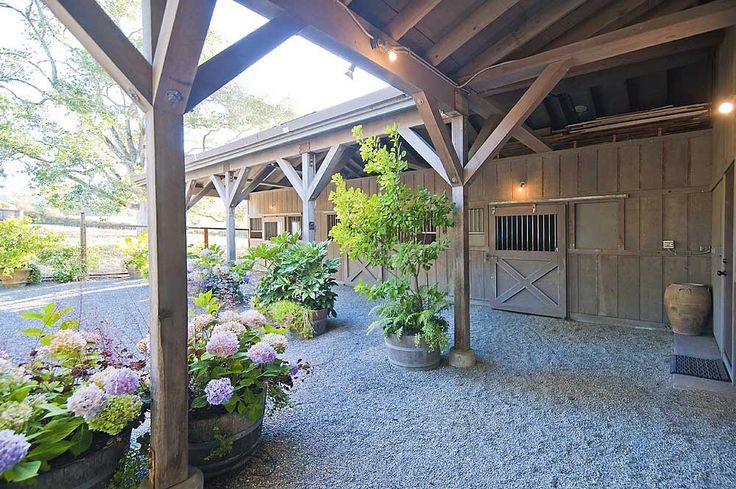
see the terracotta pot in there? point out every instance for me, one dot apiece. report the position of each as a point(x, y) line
point(406, 353)
point(688, 306)
point(91, 471)
point(244, 433)
point(18, 277)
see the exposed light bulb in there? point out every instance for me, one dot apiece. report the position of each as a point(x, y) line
point(522, 184)
point(392, 55)
point(726, 107)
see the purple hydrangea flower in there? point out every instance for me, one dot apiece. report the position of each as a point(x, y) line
point(222, 344)
point(261, 353)
point(219, 391)
point(13, 447)
point(294, 370)
point(121, 381)
point(88, 401)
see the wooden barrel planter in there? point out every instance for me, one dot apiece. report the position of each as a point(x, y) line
point(688, 306)
point(91, 471)
point(18, 277)
point(244, 434)
point(406, 353)
point(319, 321)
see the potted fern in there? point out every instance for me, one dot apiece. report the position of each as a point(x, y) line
point(387, 229)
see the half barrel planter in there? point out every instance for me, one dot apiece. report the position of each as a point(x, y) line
point(688, 306)
point(319, 321)
point(91, 471)
point(405, 352)
point(19, 276)
point(246, 434)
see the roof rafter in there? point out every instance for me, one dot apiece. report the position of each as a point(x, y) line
point(408, 17)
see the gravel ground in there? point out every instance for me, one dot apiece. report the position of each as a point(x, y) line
point(551, 404)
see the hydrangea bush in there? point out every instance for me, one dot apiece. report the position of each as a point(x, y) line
point(207, 270)
point(234, 360)
point(67, 399)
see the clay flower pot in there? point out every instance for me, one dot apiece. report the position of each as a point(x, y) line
point(688, 306)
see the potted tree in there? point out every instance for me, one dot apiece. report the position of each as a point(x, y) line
point(67, 413)
point(20, 245)
point(136, 256)
point(235, 374)
point(296, 288)
point(387, 229)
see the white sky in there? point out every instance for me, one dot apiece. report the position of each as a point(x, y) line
point(309, 77)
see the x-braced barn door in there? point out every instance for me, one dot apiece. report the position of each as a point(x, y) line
point(528, 259)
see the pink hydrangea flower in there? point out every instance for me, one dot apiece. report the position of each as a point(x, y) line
point(222, 344)
point(261, 353)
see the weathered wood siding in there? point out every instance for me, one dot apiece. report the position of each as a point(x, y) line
point(724, 151)
point(667, 182)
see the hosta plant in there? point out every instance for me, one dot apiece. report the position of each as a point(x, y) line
point(387, 229)
point(68, 399)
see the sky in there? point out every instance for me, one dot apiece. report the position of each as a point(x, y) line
point(308, 77)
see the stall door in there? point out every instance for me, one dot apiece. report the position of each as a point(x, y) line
point(528, 259)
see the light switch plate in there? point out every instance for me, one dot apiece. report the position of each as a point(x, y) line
point(668, 244)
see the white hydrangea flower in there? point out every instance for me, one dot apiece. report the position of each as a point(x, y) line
point(253, 319)
point(202, 322)
point(228, 316)
point(277, 341)
point(67, 341)
point(232, 326)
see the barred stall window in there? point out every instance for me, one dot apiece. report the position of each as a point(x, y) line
point(271, 230)
point(428, 234)
point(331, 223)
point(477, 226)
point(256, 228)
point(527, 232)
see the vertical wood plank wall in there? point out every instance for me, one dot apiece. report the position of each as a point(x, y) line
point(667, 180)
point(724, 152)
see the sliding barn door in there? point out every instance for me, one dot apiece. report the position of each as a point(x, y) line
point(528, 259)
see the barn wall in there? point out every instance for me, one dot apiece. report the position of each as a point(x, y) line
point(724, 151)
point(667, 182)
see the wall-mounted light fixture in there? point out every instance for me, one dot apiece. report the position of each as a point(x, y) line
point(351, 71)
point(522, 185)
point(727, 106)
point(392, 52)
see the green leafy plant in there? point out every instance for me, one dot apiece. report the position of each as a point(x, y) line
point(296, 271)
point(66, 262)
point(136, 253)
point(225, 442)
point(387, 229)
point(35, 276)
point(292, 316)
point(21, 243)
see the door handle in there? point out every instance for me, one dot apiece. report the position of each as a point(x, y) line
point(721, 273)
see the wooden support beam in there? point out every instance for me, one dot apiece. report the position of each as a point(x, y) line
point(219, 184)
point(191, 187)
point(512, 41)
point(309, 206)
point(102, 38)
point(168, 298)
point(409, 16)
point(488, 126)
point(201, 194)
point(240, 182)
point(217, 71)
point(181, 38)
point(257, 180)
point(440, 137)
point(424, 150)
point(668, 28)
point(523, 108)
point(292, 176)
point(489, 108)
point(467, 29)
point(230, 244)
point(327, 168)
point(153, 16)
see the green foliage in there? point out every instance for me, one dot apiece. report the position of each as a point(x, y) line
point(296, 271)
point(21, 243)
point(207, 302)
point(119, 413)
point(386, 230)
point(74, 131)
point(35, 275)
point(136, 253)
point(66, 262)
point(225, 442)
point(131, 470)
point(292, 316)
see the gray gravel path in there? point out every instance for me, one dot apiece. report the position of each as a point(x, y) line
point(551, 404)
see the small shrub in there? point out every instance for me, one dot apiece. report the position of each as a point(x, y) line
point(292, 316)
point(66, 263)
point(35, 276)
point(21, 243)
point(136, 253)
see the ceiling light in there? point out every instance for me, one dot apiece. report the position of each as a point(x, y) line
point(392, 55)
